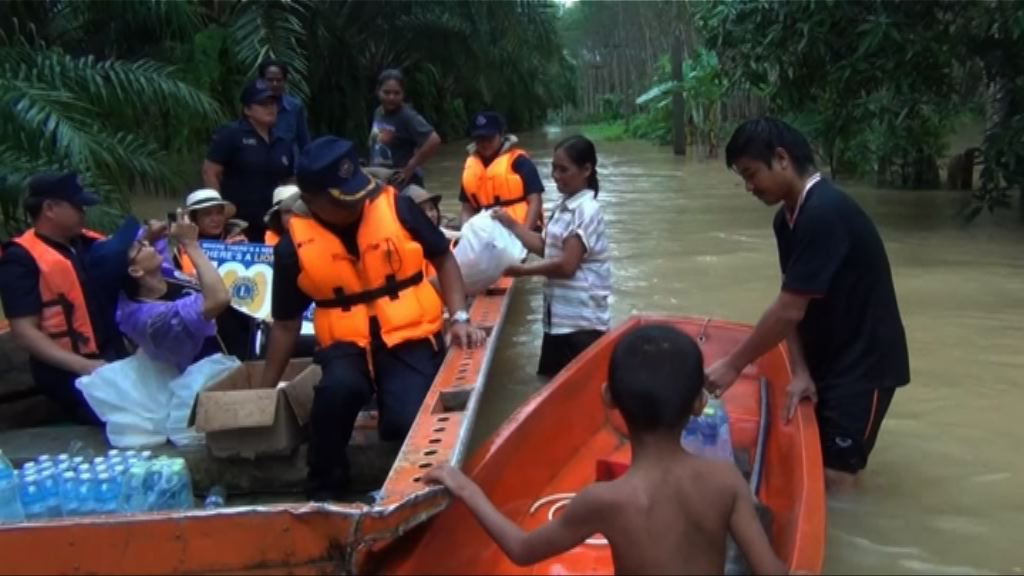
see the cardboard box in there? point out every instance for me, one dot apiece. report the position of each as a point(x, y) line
point(242, 420)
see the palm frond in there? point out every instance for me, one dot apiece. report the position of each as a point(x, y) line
point(261, 30)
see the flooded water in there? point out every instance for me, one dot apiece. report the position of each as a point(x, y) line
point(943, 492)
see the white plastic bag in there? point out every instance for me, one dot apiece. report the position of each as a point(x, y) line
point(184, 390)
point(485, 250)
point(131, 396)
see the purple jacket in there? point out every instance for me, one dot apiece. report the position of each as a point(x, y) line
point(171, 332)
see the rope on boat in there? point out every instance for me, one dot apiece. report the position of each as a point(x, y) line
point(563, 498)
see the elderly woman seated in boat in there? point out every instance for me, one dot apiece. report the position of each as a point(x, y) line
point(171, 318)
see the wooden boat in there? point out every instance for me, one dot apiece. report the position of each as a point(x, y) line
point(552, 447)
point(274, 538)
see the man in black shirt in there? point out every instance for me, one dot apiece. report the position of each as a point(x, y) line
point(358, 249)
point(55, 312)
point(837, 308)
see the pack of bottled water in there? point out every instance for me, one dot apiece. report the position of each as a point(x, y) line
point(708, 435)
point(66, 486)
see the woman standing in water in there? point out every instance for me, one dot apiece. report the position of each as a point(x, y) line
point(401, 141)
point(576, 262)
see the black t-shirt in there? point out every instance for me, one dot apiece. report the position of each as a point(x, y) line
point(253, 167)
point(19, 291)
point(526, 170)
point(289, 302)
point(395, 136)
point(852, 334)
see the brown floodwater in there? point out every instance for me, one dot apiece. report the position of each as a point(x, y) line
point(944, 492)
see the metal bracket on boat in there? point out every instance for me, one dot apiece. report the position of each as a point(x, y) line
point(762, 438)
point(701, 338)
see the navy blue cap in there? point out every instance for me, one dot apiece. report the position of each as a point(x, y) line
point(107, 261)
point(61, 186)
point(255, 91)
point(486, 124)
point(331, 164)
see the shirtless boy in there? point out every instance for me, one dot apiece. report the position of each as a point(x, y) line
point(671, 512)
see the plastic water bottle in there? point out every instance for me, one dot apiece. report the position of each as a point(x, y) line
point(29, 467)
point(43, 460)
point(216, 498)
point(32, 498)
point(63, 459)
point(113, 453)
point(11, 511)
point(132, 497)
point(107, 494)
point(69, 494)
point(691, 437)
point(178, 483)
point(708, 435)
point(718, 418)
point(49, 484)
point(85, 494)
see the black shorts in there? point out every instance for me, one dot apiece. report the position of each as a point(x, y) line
point(848, 424)
point(557, 350)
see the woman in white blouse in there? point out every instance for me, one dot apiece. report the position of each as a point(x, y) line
point(576, 263)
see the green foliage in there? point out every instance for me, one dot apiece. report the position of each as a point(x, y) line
point(880, 85)
point(612, 131)
point(84, 84)
point(58, 111)
point(704, 86)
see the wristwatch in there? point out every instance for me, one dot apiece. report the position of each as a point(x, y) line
point(460, 316)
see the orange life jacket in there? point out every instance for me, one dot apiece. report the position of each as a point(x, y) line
point(65, 315)
point(496, 184)
point(386, 281)
point(271, 238)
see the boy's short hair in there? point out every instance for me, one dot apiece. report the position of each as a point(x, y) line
point(758, 138)
point(655, 376)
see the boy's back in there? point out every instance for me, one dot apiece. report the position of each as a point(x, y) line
point(671, 515)
point(671, 512)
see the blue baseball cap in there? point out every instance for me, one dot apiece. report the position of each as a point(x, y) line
point(107, 261)
point(61, 186)
point(331, 164)
point(256, 91)
point(486, 124)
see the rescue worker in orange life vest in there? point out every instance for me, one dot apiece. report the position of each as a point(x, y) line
point(55, 313)
point(359, 255)
point(497, 174)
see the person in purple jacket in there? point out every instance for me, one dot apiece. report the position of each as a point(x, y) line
point(170, 316)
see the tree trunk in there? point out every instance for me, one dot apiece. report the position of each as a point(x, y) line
point(678, 105)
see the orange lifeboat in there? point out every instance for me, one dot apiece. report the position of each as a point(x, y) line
point(564, 437)
point(276, 538)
